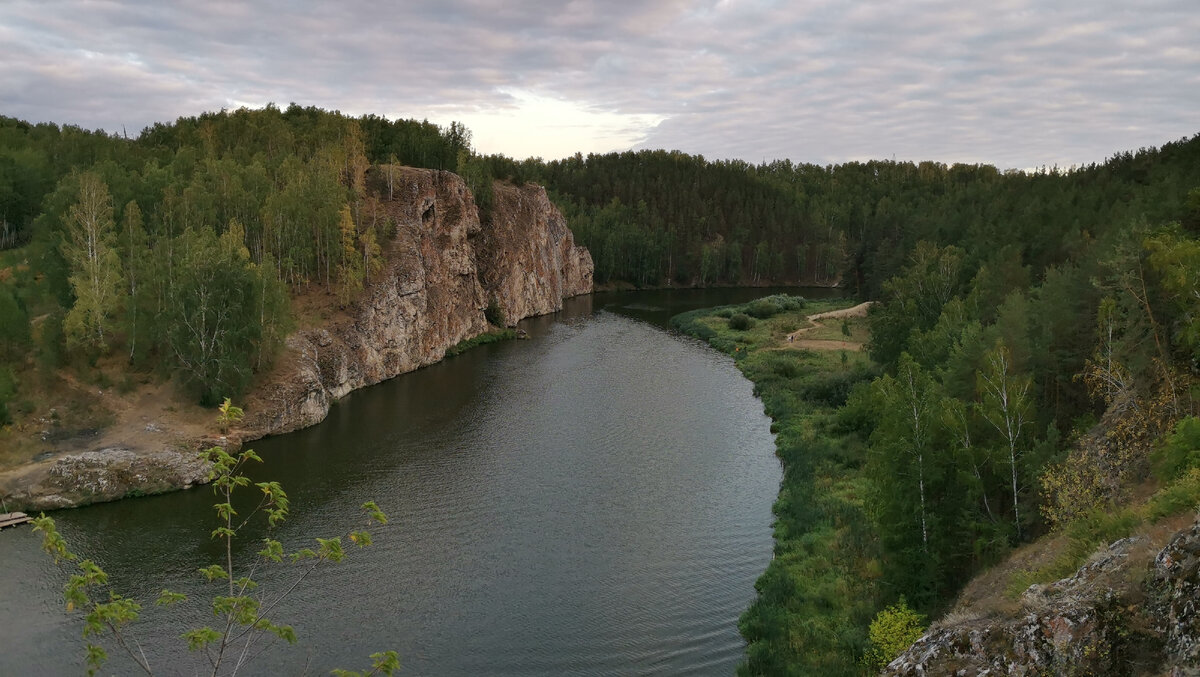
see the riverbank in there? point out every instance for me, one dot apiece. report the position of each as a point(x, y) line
point(819, 592)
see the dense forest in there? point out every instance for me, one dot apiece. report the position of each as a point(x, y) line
point(175, 253)
point(656, 218)
point(1016, 311)
point(1035, 367)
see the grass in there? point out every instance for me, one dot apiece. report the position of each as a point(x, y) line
point(819, 593)
point(494, 336)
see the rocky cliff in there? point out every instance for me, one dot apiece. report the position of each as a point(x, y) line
point(528, 258)
point(442, 269)
point(1133, 609)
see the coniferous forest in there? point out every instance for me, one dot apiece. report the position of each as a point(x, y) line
point(1017, 310)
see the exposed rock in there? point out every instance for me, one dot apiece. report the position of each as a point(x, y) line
point(106, 475)
point(1176, 584)
point(1109, 618)
point(528, 260)
point(442, 268)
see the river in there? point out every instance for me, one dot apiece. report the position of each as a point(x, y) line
point(595, 500)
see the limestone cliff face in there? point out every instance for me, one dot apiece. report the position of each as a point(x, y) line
point(441, 270)
point(528, 258)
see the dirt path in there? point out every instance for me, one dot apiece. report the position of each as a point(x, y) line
point(794, 340)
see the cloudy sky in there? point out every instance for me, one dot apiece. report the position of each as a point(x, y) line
point(1015, 83)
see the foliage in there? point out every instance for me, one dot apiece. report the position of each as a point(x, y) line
point(88, 247)
point(817, 595)
point(243, 611)
point(740, 322)
point(116, 235)
point(494, 314)
point(8, 388)
point(229, 415)
point(214, 325)
point(891, 632)
point(480, 340)
point(1179, 451)
point(763, 309)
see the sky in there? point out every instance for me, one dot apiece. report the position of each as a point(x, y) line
point(1012, 83)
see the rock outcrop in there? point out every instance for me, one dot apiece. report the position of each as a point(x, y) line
point(442, 269)
point(106, 474)
point(528, 259)
point(1112, 617)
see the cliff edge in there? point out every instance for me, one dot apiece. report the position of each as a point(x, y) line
point(1130, 610)
point(443, 268)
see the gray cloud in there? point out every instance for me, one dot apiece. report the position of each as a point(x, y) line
point(1017, 83)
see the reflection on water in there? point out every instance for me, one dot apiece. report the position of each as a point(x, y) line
point(594, 500)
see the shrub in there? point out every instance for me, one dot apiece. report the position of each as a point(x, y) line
point(786, 302)
point(893, 630)
point(1180, 452)
point(740, 322)
point(763, 308)
point(724, 312)
point(494, 313)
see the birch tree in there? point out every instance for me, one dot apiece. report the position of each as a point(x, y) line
point(1005, 404)
point(95, 277)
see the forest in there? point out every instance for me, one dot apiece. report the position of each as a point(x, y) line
point(175, 254)
point(1035, 370)
point(1034, 352)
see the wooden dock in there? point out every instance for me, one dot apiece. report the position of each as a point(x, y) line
point(12, 519)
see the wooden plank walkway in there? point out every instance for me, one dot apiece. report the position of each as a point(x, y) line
point(12, 519)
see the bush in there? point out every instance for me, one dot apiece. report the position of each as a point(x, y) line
point(740, 322)
point(724, 313)
point(1180, 452)
point(1182, 494)
point(786, 302)
point(893, 630)
point(494, 314)
point(763, 308)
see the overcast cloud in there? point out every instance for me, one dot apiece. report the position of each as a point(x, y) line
point(1018, 83)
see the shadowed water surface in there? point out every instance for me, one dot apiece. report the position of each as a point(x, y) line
point(594, 501)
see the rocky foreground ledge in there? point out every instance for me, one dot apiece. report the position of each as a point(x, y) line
point(443, 269)
point(1115, 616)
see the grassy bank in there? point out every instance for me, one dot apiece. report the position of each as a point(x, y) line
point(493, 336)
point(819, 593)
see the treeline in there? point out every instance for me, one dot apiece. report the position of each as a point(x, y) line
point(178, 249)
point(656, 217)
point(663, 217)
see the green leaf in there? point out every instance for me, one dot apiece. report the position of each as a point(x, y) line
point(386, 662)
point(167, 598)
point(272, 550)
point(223, 531)
point(213, 572)
point(374, 513)
point(201, 637)
point(96, 655)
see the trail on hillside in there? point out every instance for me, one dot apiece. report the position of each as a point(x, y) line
point(794, 340)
